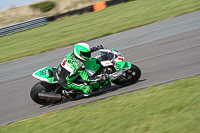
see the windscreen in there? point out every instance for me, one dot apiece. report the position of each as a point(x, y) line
point(106, 56)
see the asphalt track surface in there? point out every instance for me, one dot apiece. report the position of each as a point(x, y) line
point(165, 51)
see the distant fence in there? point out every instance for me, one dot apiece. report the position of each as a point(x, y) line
point(23, 26)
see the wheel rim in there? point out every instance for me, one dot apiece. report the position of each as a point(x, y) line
point(128, 78)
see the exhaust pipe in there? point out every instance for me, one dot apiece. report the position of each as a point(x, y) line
point(49, 95)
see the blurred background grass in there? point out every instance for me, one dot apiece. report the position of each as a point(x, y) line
point(91, 25)
point(172, 107)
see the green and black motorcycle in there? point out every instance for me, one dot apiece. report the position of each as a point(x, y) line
point(109, 65)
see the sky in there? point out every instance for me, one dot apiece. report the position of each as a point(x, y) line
point(5, 4)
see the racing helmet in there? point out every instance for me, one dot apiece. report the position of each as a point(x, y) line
point(82, 51)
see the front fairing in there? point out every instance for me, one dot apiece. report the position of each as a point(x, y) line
point(112, 58)
point(119, 65)
point(118, 53)
point(119, 60)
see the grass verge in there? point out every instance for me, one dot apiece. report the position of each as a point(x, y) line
point(91, 25)
point(172, 107)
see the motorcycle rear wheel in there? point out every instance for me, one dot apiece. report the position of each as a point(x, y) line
point(132, 76)
point(42, 87)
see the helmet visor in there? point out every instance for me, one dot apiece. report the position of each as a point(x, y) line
point(86, 54)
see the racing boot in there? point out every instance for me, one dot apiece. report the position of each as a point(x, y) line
point(87, 90)
point(106, 85)
point(67, 93)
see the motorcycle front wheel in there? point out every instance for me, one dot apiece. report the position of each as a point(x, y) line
point(42, 87)
point(132, 75)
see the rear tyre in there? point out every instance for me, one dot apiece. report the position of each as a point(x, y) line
point(42, 87)
point(132, 76)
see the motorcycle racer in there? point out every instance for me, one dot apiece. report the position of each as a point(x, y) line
point(72, 66)
point(79, 74)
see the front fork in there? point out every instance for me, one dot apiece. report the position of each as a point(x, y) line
point(122, 72)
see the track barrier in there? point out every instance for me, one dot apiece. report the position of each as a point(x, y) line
point(23, 26)
point(99, 6)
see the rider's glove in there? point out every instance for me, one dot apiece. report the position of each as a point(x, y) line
point(100, 47)
point(93, 49)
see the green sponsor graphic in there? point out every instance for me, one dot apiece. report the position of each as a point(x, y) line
point(127, 65)
point(119, 65)
point(42, 73)
point(92, 65)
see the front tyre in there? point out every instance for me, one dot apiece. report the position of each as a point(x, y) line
point(42, 87)
point(132, 76)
